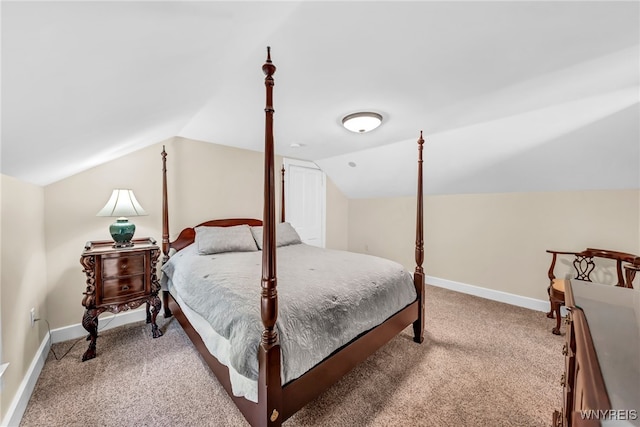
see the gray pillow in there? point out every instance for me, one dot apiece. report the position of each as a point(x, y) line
point(285, 235)
point(214, 240)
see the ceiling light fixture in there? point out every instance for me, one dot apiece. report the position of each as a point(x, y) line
point(362, 122)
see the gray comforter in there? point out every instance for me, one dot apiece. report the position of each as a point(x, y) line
point(325, 297)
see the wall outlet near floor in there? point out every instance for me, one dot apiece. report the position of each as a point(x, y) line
point(32, 316)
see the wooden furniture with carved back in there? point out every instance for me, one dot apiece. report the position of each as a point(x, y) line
point(601, 381)
point(584, 265)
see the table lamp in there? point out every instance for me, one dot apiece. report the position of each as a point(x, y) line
point(122, 204)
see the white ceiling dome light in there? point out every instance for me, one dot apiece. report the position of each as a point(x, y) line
point(362, 122)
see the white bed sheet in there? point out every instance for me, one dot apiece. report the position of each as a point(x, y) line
point(219, 347)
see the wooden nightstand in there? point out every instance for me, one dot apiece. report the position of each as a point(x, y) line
point(119, 279)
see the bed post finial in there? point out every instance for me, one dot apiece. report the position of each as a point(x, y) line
point(418, 275)
point(269, 69)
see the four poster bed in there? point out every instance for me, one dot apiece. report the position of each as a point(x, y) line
point(325, 311)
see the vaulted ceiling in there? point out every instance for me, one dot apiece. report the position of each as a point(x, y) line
point(510, 96)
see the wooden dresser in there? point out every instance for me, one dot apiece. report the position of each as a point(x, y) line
point(119, 279)
point(601, 381)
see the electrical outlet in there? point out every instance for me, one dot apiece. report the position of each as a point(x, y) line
point(32, 316)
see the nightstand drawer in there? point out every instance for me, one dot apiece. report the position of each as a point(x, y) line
point(122, 288)
point(119, 265)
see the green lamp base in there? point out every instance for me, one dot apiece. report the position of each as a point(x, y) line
point(122, 232)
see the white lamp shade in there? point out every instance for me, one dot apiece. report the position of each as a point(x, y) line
point(123, 203)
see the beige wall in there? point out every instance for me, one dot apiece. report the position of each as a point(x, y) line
point(497, 241)
point(337, 216)
point(23, 283)
point(205, 181)
point(208, 181)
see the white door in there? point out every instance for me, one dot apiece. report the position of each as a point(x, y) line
point(305, 199)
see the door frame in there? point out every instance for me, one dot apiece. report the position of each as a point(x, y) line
point(310, 165)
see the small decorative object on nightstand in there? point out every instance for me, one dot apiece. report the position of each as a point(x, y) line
point(119, 279)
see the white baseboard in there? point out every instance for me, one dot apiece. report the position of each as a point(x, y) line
point(20, 400)
point(513, 299)
point(107, 322)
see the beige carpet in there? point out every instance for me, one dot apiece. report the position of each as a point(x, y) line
point(483, 363)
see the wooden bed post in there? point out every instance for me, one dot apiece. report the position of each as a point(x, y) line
point(269, 382)
point(165, 230)
point(418, 275)
point(282, 216)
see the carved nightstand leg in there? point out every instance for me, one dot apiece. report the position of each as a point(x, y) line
point(90, 323)
point(155, 331)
